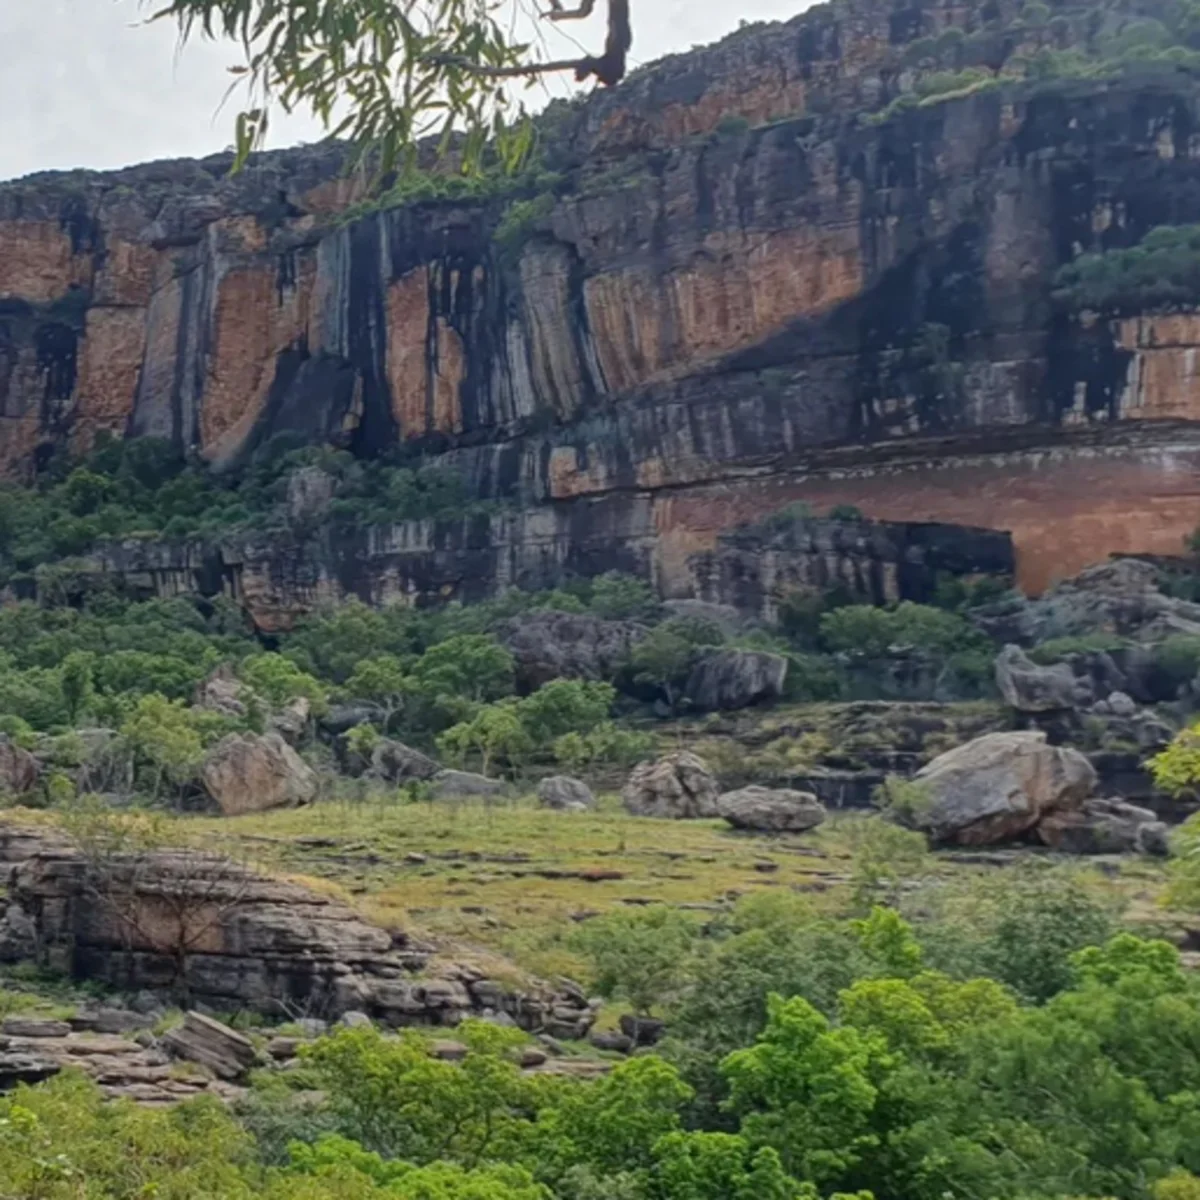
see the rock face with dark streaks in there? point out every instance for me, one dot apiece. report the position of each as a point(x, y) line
point(752, 285)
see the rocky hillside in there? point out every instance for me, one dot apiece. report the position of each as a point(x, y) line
point(820, 260)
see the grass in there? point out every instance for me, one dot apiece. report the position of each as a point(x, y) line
point(513, 879)
point(502, 886)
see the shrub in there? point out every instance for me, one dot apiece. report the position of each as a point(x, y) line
point(1161, 270)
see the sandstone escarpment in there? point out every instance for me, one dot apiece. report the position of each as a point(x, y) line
point(707, 318)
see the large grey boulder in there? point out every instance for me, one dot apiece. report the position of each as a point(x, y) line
point(1031, 688)
point(18, 768)
point(771, 810)
point(732, 679)
point(678, 785)
point(451, 785)
point(397, 763)
point(565, 793)
point(1103, 826)
point(997, 787)
point(551, 645)
point(251, 773)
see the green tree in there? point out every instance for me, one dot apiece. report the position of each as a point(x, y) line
point(618, 597)
point(382, 681)
point(638, 956)
point(77, 683)
point(471, 665)
point(389, 1095)
point(163, 739)
point(809, 1090)
point(565, 706)
point(662, 660)
point(279, 681)
point(496, 731)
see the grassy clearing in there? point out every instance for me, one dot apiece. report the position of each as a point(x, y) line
point(505, 884)
point(514, 878)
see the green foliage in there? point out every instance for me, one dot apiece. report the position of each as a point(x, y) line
point(604, 743)
point(565, 706)
point(164, 739)
point(140, 487)
point(619, 597)
point(907, 800)
point(873, 632)
point(1162, 270)
point(807, 1090)
point(1056, 649)
point(520, 221)
point(1176, 769)
point(1185, 865)
point(637, 956)
point(383, 77)
point(495, 732)
point(64, 1140)
point(279, 681)
point(1178, 656)
point(392, 1098)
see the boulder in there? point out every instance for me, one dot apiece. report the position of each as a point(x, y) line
point(997, 787)
point(1102, 826)
point(341, 718)
point(731, 679)
point(642, 1031)
point(679, 785)
point(397, 763)
point(451, 785)
point(551, 645)
point(222, 692)
point(18, 768)
point(1031, 688)
point(291, 721)
point(565, 793)
point(200, 1039)
point(251, 773)
point(771, 810)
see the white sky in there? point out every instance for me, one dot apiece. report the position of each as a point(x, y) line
point(83, 83)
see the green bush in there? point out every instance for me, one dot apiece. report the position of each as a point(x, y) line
point(1162, 270)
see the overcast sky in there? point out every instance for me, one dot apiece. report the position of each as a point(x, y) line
point(84, 84)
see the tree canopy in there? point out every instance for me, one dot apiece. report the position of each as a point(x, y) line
point(386, 75)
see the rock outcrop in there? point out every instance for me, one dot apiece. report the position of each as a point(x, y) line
point(453, 785)
point(1030, 688)
point(1102, 826)
point(18, 768)
point(210, 931)
point(771, 810)
point(731, 679)
point(678, 785)
point(706, 323)
point(998, 787)
point(565, 793)
point(550, 645)
point(252, 772)
point(395, 762)
point(212, 1044)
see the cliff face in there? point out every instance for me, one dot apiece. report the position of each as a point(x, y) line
point(708, 322)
